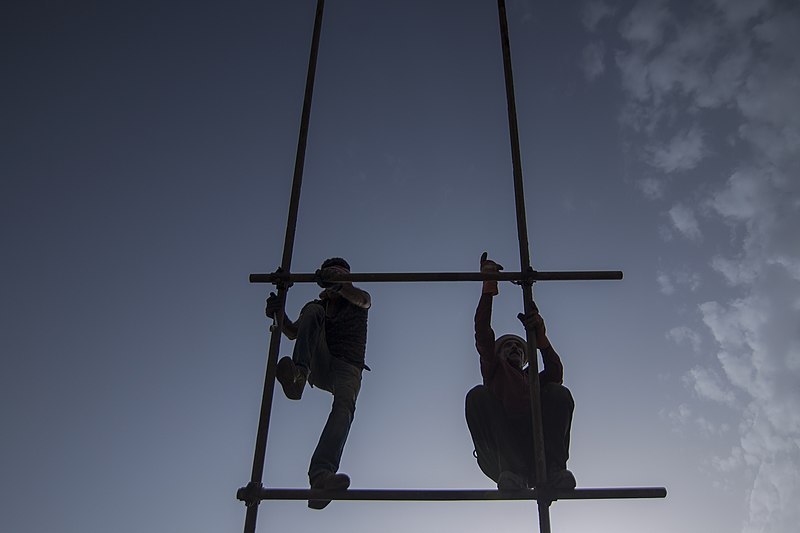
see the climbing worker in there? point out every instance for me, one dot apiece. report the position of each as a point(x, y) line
point(329, 351)
point(498, 412)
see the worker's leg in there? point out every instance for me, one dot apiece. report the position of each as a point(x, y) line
point(496, 442)
point(310, 347)
point(557, 408)
point(344, 381)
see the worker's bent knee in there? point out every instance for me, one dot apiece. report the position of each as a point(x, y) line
point(477, 395)
point(481, 400)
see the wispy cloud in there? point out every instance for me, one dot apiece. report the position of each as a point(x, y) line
point(665, 283)
point(708, 385)
point(737, 12)
point(683, 152)
point(683, 220)
point(685, 335)
point(683, 416)
point(669, 282)
point(646, 23)
point(651, 187)
point(731, 72)
point(595, 12)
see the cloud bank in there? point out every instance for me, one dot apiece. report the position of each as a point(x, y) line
point(720, 86)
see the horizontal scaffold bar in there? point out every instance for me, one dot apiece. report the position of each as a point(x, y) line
point(533, 275)
point(458, 494)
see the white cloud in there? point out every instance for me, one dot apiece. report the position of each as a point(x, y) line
point(756, 336)
point(691, 280)
point(685, 335)
point(593, 60)
point(669, 283)
point(683, 152)
point(769, 97)
point(724, 80)
point(683, 219)
point(646, 23)
point(764, 202)
point(693, 65)
point(770, 93)
point(735, 271)
point(595, 12)
point(708, 385)
point(652, 188)
point(634, 71)
point(727, 325)
point(733, 72)
point(741, 198)
point(709, 427)
point(728, 464)
point(681, 415)
point(773, 500)
point(665, 283)
point(682, 66)
point(738, 12)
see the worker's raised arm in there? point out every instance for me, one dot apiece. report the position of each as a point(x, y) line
point(553, 371)
point(484, 335)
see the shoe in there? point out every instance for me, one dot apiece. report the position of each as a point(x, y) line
point(328, 481)
point(561, 479)
point(508, 480)
point(291, 377)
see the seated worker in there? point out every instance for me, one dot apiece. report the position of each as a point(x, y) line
point(330, 344)
point(498, 412)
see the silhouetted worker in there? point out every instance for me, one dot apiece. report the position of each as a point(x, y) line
point(330, 343)
point(498, 412)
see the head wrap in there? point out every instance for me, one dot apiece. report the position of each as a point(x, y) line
point(508, 337)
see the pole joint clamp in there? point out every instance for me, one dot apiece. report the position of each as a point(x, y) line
point(250, 494)
point(280, 281)
point(529, 278)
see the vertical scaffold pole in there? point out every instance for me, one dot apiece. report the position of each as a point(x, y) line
point(286, 264)
point(525, 265)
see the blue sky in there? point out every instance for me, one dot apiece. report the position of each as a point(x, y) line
point(147, 154)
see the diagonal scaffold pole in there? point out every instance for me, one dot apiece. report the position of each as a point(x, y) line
point(542, 503)
point(253, 489)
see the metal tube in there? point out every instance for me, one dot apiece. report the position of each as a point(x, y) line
point(525, 265)
point(383, 277)
point(259, 454)
point(434, 495)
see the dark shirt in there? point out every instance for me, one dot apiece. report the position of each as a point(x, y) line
point(507, 382)
point(346, 325)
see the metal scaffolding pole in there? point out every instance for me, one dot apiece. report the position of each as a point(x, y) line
point(381, 277)
point(255, 492)
point(259, 454)
point(543, 503)
point(452, 495)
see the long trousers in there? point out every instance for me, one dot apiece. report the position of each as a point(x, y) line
point(331, 374)
point(505, 443)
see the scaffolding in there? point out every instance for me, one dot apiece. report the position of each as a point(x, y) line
point(255, 492)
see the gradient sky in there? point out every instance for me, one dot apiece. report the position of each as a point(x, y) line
point(147, 154)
